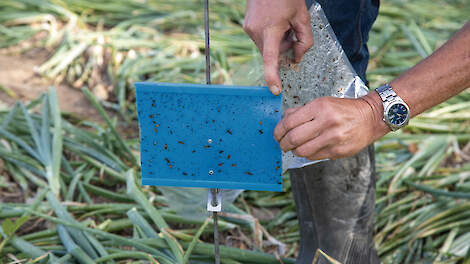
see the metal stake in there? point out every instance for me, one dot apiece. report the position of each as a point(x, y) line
point(216, 202)
point(213, 193)
point(207, 42)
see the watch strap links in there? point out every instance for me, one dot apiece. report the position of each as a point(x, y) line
point(386, 93)
point(389, 97)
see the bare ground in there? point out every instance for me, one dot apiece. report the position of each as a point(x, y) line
point(17, 74)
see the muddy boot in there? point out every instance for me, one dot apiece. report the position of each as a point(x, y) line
point(335, 203)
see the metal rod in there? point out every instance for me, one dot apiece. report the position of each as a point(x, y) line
point(216, 238)
point(207, 46)
point(208, 81)
point(214, 202)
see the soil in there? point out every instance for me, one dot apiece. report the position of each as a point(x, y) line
point(17, 74)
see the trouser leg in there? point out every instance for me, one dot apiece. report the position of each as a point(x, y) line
point(335, 203)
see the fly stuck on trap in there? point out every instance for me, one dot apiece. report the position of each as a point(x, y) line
point(220, 137)
point(209, 136)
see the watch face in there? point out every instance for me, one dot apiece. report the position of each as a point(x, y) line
point(398, 114)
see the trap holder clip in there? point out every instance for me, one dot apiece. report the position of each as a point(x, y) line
point(214, 200)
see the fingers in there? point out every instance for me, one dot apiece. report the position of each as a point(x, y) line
point(299, 135)
point(290, 111)
point(324, 153)
point(286, 45)
point(314, 149)
point(303, 32)
point(295, 119)
point(271, 48)
point(288, 41)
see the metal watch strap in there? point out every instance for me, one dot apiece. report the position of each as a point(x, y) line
point(389, 98)
point(386, 93)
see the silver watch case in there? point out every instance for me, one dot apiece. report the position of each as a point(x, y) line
point(389, 99)
point(387, 106)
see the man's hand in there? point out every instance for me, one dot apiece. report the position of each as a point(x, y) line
point(331, 128)
point(270, 23)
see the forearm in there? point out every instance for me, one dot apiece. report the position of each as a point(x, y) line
point(330, 127)
point(440, 76)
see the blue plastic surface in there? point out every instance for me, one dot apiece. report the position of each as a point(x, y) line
point(210, 136)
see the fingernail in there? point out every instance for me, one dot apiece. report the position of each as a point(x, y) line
point(275, 89)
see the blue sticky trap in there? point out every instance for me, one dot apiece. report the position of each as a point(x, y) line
point(209, 136)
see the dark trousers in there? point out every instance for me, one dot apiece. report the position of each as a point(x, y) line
point(335, 200)
point(335, 203)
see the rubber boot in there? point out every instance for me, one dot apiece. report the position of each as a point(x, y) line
point(335, 203)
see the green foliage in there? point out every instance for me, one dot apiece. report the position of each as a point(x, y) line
point(9, 227)
point(91, 176)
point(85, 170)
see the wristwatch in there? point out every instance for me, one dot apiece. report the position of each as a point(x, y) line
point(396, 111)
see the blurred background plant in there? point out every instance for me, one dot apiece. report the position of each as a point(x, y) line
point(69, 185)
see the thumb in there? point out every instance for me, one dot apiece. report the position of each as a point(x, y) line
point(304, 35)
point(271, 44)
